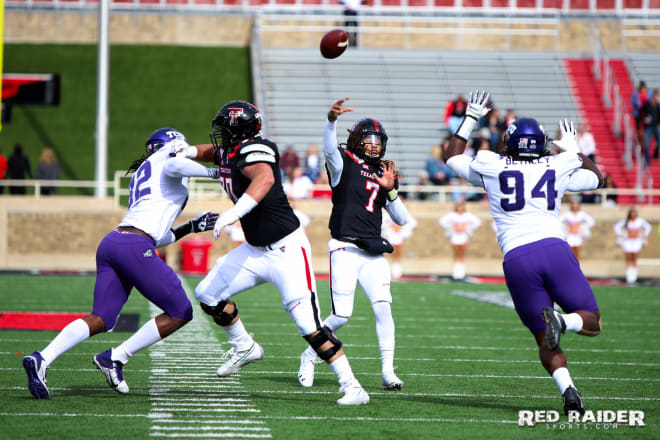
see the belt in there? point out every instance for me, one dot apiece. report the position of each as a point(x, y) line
point(134, 230)
point(279, 243)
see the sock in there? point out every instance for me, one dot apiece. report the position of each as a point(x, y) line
point(342, 370)
point(563, 379)
point(634, 274)
point(238, 336)
point(459, 271)
point(146, 336)
point(385, 332)
point(70, 336)
point(397, 270)
point(573, 322)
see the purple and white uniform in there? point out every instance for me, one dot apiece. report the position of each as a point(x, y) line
point(525, 199)
point(158, 193)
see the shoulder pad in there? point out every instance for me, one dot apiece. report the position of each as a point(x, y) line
point(254, 153)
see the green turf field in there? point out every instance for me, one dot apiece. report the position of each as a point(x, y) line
point(468, 367)
point(150, 87)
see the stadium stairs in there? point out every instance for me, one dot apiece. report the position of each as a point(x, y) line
point(610, 148)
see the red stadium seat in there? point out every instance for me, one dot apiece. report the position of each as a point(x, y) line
point(605, 4)
point(632, 4)
point(473, 3)
point(443, 3)
point(579, 4)
point(552, 4)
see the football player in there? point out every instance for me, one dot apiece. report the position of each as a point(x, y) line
point(127, 258)
point(459, 226)
point(277, 249)
point(362, 185)
point(525, 186)
point(632, 233)
point(577, 223)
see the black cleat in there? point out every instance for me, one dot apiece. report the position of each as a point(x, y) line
point(572, 401)
point(554, 327)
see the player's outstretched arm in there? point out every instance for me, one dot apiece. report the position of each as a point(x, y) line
point(476, 109)
point(204, 221)
point(331, 154)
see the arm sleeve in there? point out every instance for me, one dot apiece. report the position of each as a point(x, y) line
point(582, 180)
point(589, 220)
point(182, 167)
point(168, 238)
point(460, 165)
point(333, 160)
point(397, 211)
point(619, 227)
point(646, 227)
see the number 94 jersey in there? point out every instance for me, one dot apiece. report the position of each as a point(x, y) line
point(525, 196)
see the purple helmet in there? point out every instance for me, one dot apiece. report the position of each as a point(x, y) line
point(525, 138)
point(162, 136)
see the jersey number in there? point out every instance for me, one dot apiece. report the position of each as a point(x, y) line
point(517, 189)
point(373, 187)
point(227, 184)
point(137, 187)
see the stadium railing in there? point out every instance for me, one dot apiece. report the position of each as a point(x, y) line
point(207, 189)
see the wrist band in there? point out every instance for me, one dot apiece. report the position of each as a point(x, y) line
point(331, 118)
point(392, 195)
point(465, 129)
point(244, 205)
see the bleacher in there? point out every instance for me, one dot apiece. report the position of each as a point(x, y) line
point(407, 90)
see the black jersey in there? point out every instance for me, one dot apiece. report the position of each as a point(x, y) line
point(272, 219)
point(357, 201)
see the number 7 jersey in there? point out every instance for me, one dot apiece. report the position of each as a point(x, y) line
point(525, 196)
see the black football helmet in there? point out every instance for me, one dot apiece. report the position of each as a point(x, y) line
point(234, 122)
point(364, 128)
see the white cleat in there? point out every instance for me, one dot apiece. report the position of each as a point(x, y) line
point(391, 381)
point(306, 370)
point(354, 394)
point(235, 359)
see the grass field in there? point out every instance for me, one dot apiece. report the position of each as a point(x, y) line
point(468, 367)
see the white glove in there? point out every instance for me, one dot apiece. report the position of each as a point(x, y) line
point(181, 148)
point(226, 218)
point(568, 141)
point(477, 108)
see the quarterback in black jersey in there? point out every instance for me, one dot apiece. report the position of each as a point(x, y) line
point(362, 185)
point(277, 249)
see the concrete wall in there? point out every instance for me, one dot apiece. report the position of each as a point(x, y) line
point(63, 233)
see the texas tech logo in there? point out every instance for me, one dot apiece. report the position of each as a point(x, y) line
point(234, 114)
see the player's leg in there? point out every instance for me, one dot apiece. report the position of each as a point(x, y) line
point(576, 252)
point(157, 282)
point(292, 275)
point(374, 277)
point(396, 267)
point(459, 246)
point(525, 268)
point(344, 266)
point(233, 273)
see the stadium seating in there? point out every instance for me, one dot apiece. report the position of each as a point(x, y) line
point(407, 90)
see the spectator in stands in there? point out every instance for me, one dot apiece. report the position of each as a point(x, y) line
point(19, 166)
point(438, 172)
point(3, 170)
point(454, 113)
point(289, 160)
point(586, 142)
point(322, 189)
point(651, 114)
point(312, 163)
point(509, 118)
point(496, 126)
point(638, 99)
point(48, 169)
point(297, 185)
point(351, 11)
point(425, 181)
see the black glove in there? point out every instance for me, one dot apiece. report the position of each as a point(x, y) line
point(204, 221)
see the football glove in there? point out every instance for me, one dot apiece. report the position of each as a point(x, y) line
point(568, 141)
point(226, 218)
point(204, 221)
point(477, 107)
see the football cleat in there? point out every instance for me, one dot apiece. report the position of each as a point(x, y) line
point(354, 394)
point(554, 327)
point(391, 381)
point(572, 401)
point(235, 359)
point(306, 370)
point(112, 370)
point(35, 367)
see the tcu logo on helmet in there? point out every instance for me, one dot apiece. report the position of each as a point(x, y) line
point(234, 113)
point(173, 134)
point(512, 128)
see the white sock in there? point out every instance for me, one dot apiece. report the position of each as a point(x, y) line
point(342, 370)
point(385, 332)
point(573, 322)
point(146, 336)
point(238, 336)
point(70, 336)
point(563, 379)
point(397, 270)
point(459, 271)
point(634, 274)
point(631, 274)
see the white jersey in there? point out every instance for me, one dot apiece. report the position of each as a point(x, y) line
point(459, 227)
point(524, 196)
point(577, 225)
point(158, 191)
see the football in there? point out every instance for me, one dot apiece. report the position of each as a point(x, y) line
point(334, 43)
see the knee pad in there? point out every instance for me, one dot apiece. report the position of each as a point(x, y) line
point(324, 335)
point(218, 314)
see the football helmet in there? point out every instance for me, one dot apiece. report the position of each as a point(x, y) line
point(160, 137)
point(235, 121)
point(525, 138)
point(365, 129)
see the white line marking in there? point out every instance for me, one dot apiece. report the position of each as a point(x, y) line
point(212, 435)
point(209, 428)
